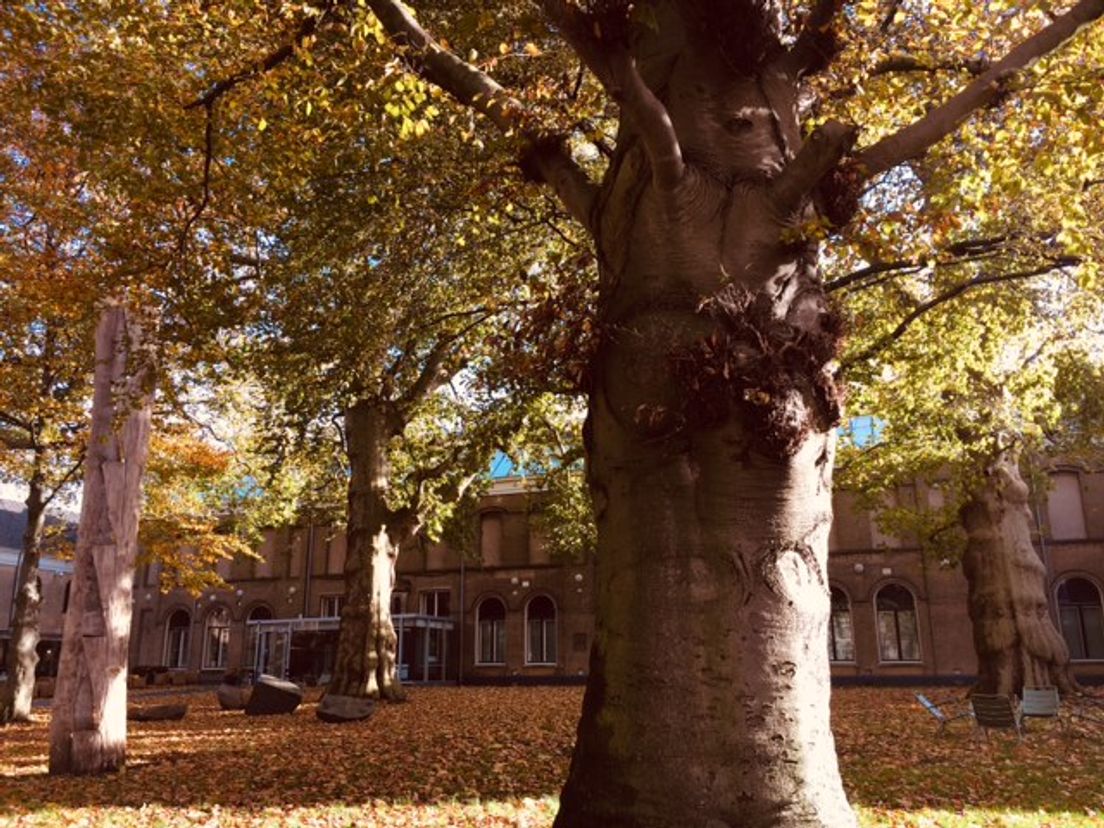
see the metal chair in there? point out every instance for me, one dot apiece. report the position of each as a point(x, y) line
point(936, 711)
point(996, 712)
point(1041, 703)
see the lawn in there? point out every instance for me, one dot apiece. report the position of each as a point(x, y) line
point(497, 756)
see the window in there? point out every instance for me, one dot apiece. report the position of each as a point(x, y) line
point(434, 602)
point(841, 641)
point(216, 638)
point(1082, 617)
point(65, 598)
point(176, 639)
point(258, 650)
point(540, 625)
point(490, 632)
point(398, 601)
point(331, 606)
point(1064, 509)
point(898, 639)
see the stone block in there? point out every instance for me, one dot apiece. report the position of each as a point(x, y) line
point(231, 697)
point(271, 696)
point(337, 709)
point(157, 713)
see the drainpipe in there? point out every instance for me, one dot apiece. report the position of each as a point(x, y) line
point(307, 569)
point(460, 645)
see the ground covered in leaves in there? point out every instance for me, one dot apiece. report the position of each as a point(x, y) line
point(497, 757)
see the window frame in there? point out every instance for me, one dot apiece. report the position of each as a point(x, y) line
point(832, 641)
point(1079, 606)
point(221, 655)
point(424, 602)
point(337, 598)
point(549, 632)
point(183, 643)
point(882, 659)
point(498, 634)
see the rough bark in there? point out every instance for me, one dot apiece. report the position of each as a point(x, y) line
point(17, 692)
point(367, 645)
point(88, 725)
point(711, 404)
point(1016, 641)
point(709, 459)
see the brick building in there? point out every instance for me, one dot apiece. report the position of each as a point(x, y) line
point(516, 615)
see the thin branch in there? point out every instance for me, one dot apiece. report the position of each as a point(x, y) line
point(890, 16)
point(208, 156)
point(69, 475)
point(483, 94)
point(909, 63)
point(990, 279)
point(306, 29)
point(15, 442)
point(960, 252)
point(986, 89)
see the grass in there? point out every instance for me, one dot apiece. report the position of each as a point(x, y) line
point(497, 756)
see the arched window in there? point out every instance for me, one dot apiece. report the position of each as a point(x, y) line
point(490, 632)
point(540, 625)
point(898, 637)
point(216, 638)
point(841, 640)
point(176, 639)
point(1082, 616)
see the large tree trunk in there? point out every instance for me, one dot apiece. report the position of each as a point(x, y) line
point(17, 692)
point(710, 457)
point(367, 645)
point(1015, 638)
point(88, 728)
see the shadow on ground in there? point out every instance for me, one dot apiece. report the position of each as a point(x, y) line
point(497, 744)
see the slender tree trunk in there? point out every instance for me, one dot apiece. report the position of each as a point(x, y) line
point(366, 648)
point(17, 692)
point(710, 461)
point(88, 728)
point(1015, 638)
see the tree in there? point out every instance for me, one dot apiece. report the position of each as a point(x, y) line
point(405, 323)
point(88, 725)
point(45, 283)
point(961, 402)
point(712, 403)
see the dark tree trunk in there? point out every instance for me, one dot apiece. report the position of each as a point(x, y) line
point(17, 692)
point(1016, 641)
point(367, 645)
point(88, 724)
point(710, 455)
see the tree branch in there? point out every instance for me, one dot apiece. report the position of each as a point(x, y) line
point(650, 117)
point(76, 467)
point(986, 89)
point(15, 442)
point(432, 375)
point(817, 44)
point(305, 29)
point(483, 94)
point(909, 63)
point(984, 279)
point(817, 157)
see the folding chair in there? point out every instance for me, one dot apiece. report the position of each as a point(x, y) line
point(1041, 703)
point(996, 712)
point(938, 713)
